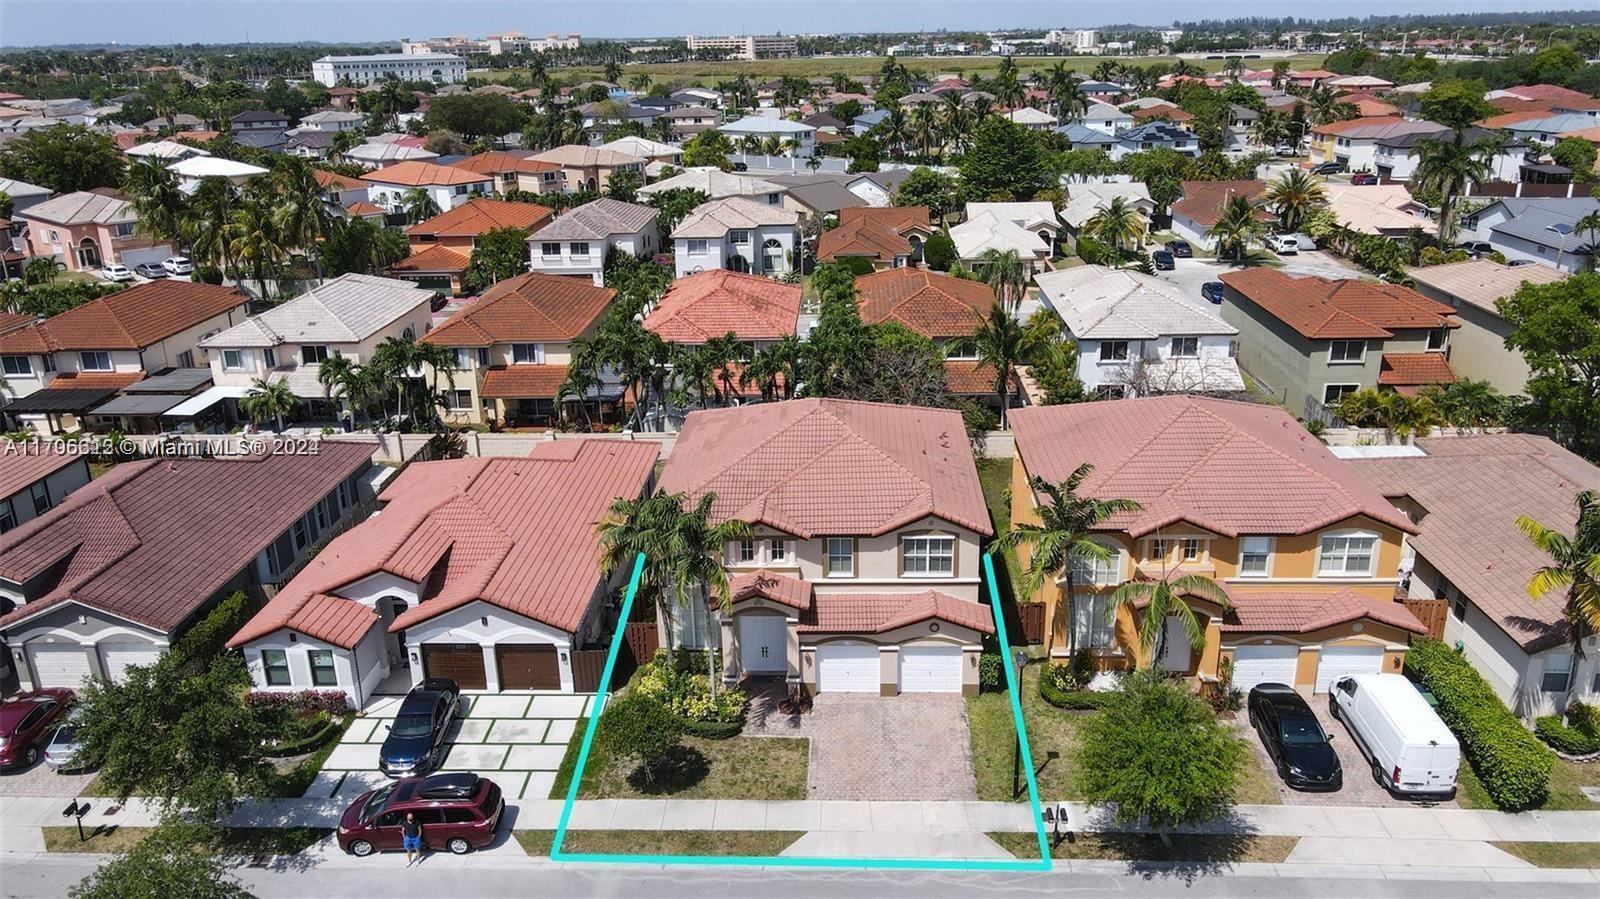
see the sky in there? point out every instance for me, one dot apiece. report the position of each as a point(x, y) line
point(44, 22)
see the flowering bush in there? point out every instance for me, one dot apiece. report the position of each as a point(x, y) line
point(301, 703)
point(687, 694)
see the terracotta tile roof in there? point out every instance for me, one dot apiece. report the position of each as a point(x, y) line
point(1202, 200)
point(481, 214)
point(1369, 108)
point(1377, 127)
point(1168, 113)
point(22, 464)
point(1472, 489)
point(434, 259)
point(516, 533)
point(1554, 93)
point(933, 305)
point(515, 381)
point(969, 378)
point(1321, 309)
point(876, 233)
point(533, 307)
point(335, 181)
point(713, 303)
point(875, 613)
point(413, 173)
point(187, 525)
point(362, 209)
point(1300, 612)
point(1527, 113)
point(130, 319)
point(11, 321)
point(1414, 370)
point(779, 588)
point(822, 466)
point(498, 163)
point(1230, 467)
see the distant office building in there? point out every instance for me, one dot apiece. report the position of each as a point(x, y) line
point(493, 45)
point(750, 46)
point(440, 68)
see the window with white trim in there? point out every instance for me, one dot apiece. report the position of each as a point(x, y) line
point(460, 400)
point(1458, 605)
point(313, 354)
point(1347, 554)
point(738, 236)
point(841, 561)
point(580, 249)
point(16, 365)
point(697, 247)
point(94, 360)
point(41, 497)
point(232, 360)
point(1093, 622)
point(527, 353)
point(1193, 548)
point(928, 555)
point(777, 550)
point(1159, 549)
point(1113, 351)
point(550, 249)
point(1255, 556)
point(1557, 676)
point(1332, 392)
point(1087, 569)
point(1347, 350)
point(1185, 347)
point(746, 551)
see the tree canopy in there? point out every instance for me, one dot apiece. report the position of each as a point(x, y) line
point(1005, 160)
point(65, 158)
point(499, 253)
point(1556, 326)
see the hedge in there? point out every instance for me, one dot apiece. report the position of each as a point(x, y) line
point(1072, 700)
point(1566, 739)
point(331, 729)
point(712, 730)
point(1512, 764)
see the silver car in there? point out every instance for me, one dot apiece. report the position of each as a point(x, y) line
point(62, 750)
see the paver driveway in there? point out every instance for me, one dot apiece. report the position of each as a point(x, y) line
point(914, 746)
point(515, 740)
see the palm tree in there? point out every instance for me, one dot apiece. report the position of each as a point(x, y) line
point(1062, 538)
point(253, 238)
point(343, 142)
point(1448, 166)
point(302, 217)
point(1117, 223)
point(999, 343)
point(639, 82)
point(1163, 599)
point(268, 399)
point(1006, 274)
point(1236, 228)
point(1574, 567)
point(342, 378)
point(419, 205)
point(895, 130)
point(925, 127)
point(211, 209)
point(774, 369)
point(1062, 86)
point(1590, 225)
point(1293, 195)
point(163, 208)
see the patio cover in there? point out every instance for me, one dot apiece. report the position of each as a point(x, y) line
point(194, 405)
point(141, 404)
point(60, 399)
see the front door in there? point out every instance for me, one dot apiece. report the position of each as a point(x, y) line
point(1176, 655)
point(763, 644)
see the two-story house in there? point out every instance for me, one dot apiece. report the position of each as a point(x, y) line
point(126, 564)
point(340, 192)
point(441, 247)
point(1085, 200)
point(61, 368)
point(1139, 335)
point(688, 121)
point(1354, 143)
point(259, 120)
point(516, 171)
point(1473, 288)
point(1104, 118)
point(350, 316)
point(513, 346)
point(1307, 552)
point(794, 138)
point(888, 237)
point(1309, 341)
point(333, 120)
point(863, 572)
point(589, 168)
point(456, 579)
point(1153, 136)
point(448, 186)
point(88, 229)
point(34, 478)
point(716, 184)
point(577, 242)
point(700, 307)
point(943, 308)
point(1027, 229)
point(738, 234)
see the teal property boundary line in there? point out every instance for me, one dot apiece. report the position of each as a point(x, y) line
point(778, 861)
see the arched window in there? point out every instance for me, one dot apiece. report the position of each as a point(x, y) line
point(772, 253)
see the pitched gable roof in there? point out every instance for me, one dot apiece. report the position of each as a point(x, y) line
point(1100, 303)
point(480, 215)
point(1202, 201)
point(598, 220)
point(718, 217)
point(1322, 309)
point(532, 307)
point(937, 306)
point(876, 233)
point(130, 319)
point(347, 309)
point(713, 303)
point(414, 173)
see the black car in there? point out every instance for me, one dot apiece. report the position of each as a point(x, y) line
point(1163, 260)
point(1294, 739)
point(150, 270)
point(416, 741)
point(1180, 249)
point(1475, 248)
point(1212, 290)
point(1327, 168)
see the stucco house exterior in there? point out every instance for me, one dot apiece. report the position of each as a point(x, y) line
point(736, 233)
point(1029, 229)
point(718, 302)
point(516, 171)
point(89, 229)
point(589, 168)
point(1307, 552)
point(859, 591)
point(448, 186)
point(75, 583)
point(34, 478)
point(1355, 142)
point(578, 241)
point(1537, 230)
point(453, 579)
point(888, 237)
point(1478, 348)
point(1465, 494)
point(1200, 206)
point(441, 247)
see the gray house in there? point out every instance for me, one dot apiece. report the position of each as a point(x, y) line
point(34, 478)
point(1537, 230)
point(1478, 348)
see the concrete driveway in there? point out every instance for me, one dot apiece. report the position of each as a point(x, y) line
point(1359, 787)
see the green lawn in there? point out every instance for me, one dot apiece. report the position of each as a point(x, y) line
point(1566, 779)
point(1195, 848)
point(230, 840)
point(736, 768)
point(1555, 855)
point(661, 842)
point(1051, 732)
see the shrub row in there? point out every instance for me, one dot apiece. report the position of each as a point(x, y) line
point(1565, 738)
point(1513, 766)
point(1051, 691)
point(712, 730)
point(302, 702)
point(329, 728)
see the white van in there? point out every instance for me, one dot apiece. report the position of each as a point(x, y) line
point(1411, 750)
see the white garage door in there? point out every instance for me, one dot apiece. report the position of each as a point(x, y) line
point(1264, 665)
point(847, 668)
point(930, 669)
point(59, 666)
point(1343, 661)
point(117, 657)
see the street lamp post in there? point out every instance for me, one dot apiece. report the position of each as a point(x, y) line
point(1018, 660)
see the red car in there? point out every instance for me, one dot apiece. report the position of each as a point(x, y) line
point(459, 812)
point(26, 721)
point(1361, 179)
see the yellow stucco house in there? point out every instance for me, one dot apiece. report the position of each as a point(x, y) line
point(1307, 551)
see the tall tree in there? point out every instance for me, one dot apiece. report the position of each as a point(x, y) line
point(1006, 274)
point(269, 400)
point(1004, 158)
point(1236, 229)
point(1294, 194)
point(497, 254)
point(1574, 567)
point(1556, 327)
point(1163, 599)
point(64, 158)
point(999, 342)
point(1118, 223)
point(301, 217)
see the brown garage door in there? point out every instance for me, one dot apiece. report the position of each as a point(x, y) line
point(528, 667)
point(461, 662)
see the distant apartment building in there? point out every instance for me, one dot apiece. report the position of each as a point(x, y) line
point(439, 68)
point(1082, 39)
point(493, 45)
point(750, 46)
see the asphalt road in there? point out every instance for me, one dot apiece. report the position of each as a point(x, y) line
point(1189, 274)
point(53, 876)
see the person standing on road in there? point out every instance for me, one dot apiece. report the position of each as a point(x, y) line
point(411, 838)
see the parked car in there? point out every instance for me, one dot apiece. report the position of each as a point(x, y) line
point(1179, 248)
point(1363, 178)
point(1475, 248)
point(416, 741)
point(1332, 167)
point(1294, 739)
point(1285, 150)
point(150, 270)
point(458, 811)
point(1163, 260)
point(61, 752)
point(26, 720)
point(1212, 290)
point(1283, 244)
point(1411, 750)
point(178, 265)
point(115, 272)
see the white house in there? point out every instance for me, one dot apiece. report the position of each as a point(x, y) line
point(1138, 335)
point(1030, 229)
point(577, 242)
point(190, 170)
point(717, 184)
point(376, 154)
point(447, 185)
point(331, 120)
point(1395, 157)
point(762, 127)
point(1104, 118)
point(1153, 136)
point(736, 233)
point(439, 68)
point(1032, 119)
point(1088, 198)
point(164, 150)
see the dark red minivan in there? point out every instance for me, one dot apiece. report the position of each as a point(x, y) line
point(459, 812)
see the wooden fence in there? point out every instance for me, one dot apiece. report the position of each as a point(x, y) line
point(589, 664)
point(643, 640)
point(1431, 612)
point(1031, 614)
